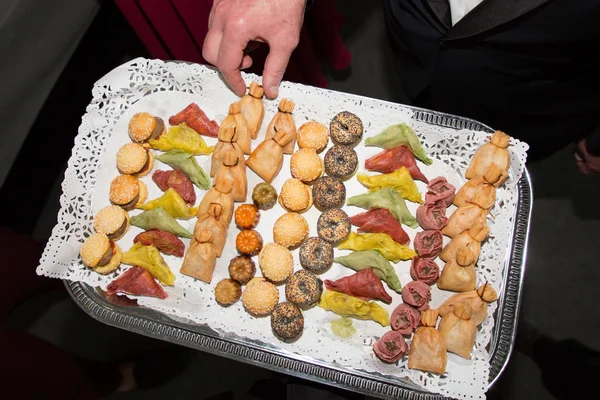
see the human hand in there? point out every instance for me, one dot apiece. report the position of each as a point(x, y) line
point(233, 24)
point(587, 163)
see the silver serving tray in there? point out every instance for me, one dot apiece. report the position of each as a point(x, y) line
point(161, 326)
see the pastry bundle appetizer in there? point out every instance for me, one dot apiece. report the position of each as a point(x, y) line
point(253, 109)
point(494, 153)
point(459, 275)
point(267, 158)
point(428, 348)
point(227, 141)
point(283, 122)
point(458, 330)
point(235, 121)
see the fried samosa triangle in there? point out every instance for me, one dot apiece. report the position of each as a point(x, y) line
point(181, 137)
point(400, 180)
point(186, 163)
point(395, 158)
point(427, 349)
point(458, 330)
point(493, 152)
point(149, 258)
point(397, 135)
point(235, 120)
point(348, 306)
point(172, 203)
point(381, 242)
point(364, 284)
point(360, 260)
point(136, 281)
point(283, 122)
point(252, 108)
point(158, 218)
point(386, 198)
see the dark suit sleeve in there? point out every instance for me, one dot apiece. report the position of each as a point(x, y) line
point(592, 142)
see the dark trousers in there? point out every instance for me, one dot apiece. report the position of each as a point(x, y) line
point(32, 368)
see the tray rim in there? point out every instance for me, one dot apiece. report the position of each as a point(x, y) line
point(159, 326)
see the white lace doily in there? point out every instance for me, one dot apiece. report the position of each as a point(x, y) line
point(165, 88)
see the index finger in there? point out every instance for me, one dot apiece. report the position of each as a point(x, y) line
point(229, 61)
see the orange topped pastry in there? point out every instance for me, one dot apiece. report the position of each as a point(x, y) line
point(247, 216)
point(249, 242)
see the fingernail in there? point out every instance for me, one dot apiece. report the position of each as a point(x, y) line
point(275, 90)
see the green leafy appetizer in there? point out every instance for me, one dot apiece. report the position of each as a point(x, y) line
point(397, 135)
point(387, 198)
point(360, 260)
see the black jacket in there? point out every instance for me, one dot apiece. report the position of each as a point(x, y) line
point(528, 67)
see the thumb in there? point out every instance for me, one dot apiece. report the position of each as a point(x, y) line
point(275, 66)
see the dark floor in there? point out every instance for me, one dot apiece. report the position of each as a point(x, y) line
point(561, 269)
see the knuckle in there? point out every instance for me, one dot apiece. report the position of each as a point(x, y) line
point(236, 23)
point(289, 42)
